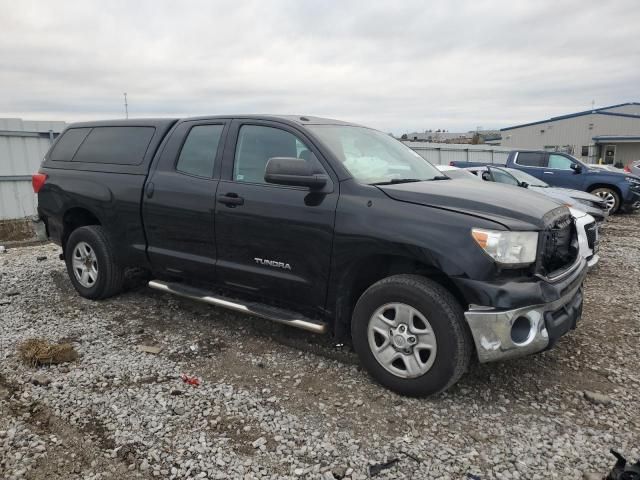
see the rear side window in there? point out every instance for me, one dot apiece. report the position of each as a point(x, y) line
point(115, 145)
point(67, 145)
point(530, 159)
point(199, 150)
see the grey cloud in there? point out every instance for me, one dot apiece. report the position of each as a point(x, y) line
point(393, 65)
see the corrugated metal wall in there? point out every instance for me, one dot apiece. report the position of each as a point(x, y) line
point(443, 153)
point(574, 132)
point(23, 144)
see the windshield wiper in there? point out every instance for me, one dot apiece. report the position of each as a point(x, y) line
point(393, 181)
point(441, 177)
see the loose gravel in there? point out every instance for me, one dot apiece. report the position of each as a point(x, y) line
point(273, 402)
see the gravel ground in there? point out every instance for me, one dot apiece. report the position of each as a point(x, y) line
point(280, 403)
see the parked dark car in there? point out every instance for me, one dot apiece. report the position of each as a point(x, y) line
point(621, 191)
point(321, 225)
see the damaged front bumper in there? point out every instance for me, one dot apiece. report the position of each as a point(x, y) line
point(501, 334)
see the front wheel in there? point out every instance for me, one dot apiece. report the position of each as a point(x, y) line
point(410, 335)
point(610, 197)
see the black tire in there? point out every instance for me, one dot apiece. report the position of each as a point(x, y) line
point(604, 192)
point(110, 276)
point(446, 317)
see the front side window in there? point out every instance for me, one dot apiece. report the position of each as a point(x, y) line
point(198, 153)
point(500, 176)
point(530, 159)
point(559, 162)
point(257, 144)
point(371, 156)
point(524, 177)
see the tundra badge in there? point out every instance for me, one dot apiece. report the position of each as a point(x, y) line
point(272, 263)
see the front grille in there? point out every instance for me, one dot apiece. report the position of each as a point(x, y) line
point(591, 229)
point(558, 248)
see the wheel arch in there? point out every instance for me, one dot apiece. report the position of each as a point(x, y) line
point(366, 271)
point(75, 218)
point(610, 186)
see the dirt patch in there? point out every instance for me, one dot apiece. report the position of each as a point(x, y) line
point(16, 230)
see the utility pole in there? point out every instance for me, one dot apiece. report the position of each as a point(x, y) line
point(126, 106)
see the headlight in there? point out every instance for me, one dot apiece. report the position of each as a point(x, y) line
point(508, 248)
point(633, 181)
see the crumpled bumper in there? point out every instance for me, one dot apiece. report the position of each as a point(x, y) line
point(502, 334)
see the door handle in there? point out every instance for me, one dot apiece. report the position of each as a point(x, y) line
point(548, 173)
point(231, 199)
point(149, 189)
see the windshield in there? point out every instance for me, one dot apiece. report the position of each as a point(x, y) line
point(461, 174)
point(374, 157)
point(525, 177)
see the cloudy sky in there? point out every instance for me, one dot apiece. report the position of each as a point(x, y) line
point(397, 66)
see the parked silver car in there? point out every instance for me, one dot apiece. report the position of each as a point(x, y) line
point(586, 202)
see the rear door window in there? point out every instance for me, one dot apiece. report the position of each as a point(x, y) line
point(67, 145)
point(199, 151)
point(531, 159)
point(115, 145)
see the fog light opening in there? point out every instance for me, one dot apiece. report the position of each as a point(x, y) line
point(521, 330)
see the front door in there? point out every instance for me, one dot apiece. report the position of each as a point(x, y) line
point(273, 241)
point(610, 155)
point(179, 201)
point(559, 172)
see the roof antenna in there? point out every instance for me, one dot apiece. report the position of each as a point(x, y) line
point(593, 104)
point(126, 106)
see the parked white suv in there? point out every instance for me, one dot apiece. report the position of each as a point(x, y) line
point(588, 236)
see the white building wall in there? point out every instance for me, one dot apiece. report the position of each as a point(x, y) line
point(23, 145)
point(574, 132)
point(633, 109)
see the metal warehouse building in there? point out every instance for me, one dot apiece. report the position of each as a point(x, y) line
point(23, 145)
point(608, 133)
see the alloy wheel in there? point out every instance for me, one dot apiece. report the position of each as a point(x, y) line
point(402, 340)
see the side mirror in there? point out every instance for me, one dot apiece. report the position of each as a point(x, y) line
point(293, 171)
point(576, 168)
point(523, 185)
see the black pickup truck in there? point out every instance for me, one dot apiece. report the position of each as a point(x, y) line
point(318, 224)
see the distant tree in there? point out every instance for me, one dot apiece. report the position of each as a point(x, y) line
point(404, 136)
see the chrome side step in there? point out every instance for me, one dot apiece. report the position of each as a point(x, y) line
point(259, 310)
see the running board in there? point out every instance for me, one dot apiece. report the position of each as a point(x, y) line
point(250, 308)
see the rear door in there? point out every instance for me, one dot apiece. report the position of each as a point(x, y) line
point(531, 162)
point(179, 200)
point(273, 241)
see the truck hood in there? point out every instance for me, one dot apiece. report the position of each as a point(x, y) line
point(608, 173)
point(515, 208)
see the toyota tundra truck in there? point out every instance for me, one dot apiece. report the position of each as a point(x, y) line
point(318, 224)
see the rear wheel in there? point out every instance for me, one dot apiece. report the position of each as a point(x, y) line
point(410, 335)
point(611, 198)
point(91, 264)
